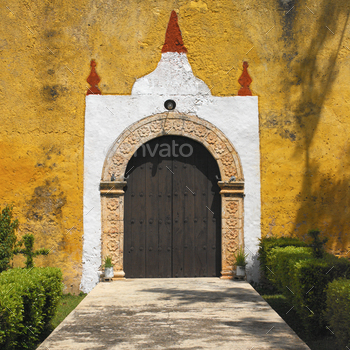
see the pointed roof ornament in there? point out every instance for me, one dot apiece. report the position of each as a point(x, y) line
point(245, 80)
point(173, 38)
point(173, 75)
point(93, 80)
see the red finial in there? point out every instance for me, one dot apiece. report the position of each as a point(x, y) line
point(93, 80)
point(173, 38)
point(245, 80)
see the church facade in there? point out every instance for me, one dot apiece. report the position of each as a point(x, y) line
point(183, 145)
point(193, 231)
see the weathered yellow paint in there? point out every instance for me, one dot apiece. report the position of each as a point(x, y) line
point(300, 71)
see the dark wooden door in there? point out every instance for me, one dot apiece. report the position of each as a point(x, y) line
point(172, 222)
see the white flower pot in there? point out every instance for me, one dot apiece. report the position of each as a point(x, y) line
point(109, 273)
point(240, 271)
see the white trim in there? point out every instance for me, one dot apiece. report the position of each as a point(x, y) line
point(106, 117)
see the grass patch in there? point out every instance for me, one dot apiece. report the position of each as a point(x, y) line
point(66, 305)
point(287, 312)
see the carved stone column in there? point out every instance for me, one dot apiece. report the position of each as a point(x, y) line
point(112, 205)
point(232, 236)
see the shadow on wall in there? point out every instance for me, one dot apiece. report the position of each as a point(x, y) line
point(325, 205)
point(324, 198)
point(253, 270)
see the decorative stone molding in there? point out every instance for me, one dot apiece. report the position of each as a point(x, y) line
point(112, 187)
point(172, 123)
point(112, 240)
point(232, 234)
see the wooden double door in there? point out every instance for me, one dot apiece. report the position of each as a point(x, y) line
point(172, 220)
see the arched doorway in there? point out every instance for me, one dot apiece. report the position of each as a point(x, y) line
point(114, 171)
point(172, 218)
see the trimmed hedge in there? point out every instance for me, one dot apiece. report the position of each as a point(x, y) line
point(7, 237)
point(28, 301)
point(338, 310)
point(304, 279)
point(269, 243)
point(280, 261)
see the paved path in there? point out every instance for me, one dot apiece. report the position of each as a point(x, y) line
point(201, 313)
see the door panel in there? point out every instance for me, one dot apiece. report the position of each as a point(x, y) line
point(188, 226)
point(136, 220)
point(164, 216)
point(151, 191)
point(214, 222)
point(172, 211)
point(201, 214)
point(179, 184)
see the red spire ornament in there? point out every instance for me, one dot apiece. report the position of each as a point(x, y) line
point(93, 80)
point(245, 80)
point(173, 38)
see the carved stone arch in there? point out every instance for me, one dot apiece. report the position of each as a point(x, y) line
point(171, 123)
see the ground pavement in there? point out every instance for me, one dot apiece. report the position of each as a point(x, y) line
point(182, 313)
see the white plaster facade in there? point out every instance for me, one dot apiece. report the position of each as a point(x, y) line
point(107, 117)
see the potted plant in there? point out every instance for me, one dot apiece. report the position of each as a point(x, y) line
point(240, 262)
point(108, 266)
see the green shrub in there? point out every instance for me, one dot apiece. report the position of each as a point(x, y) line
point(338, 310)
point(309, 283)
point(7, 237)
point(28, 300)
point(11, 316)
point(267, 244)
point(108, 262)
point(303, 279)
point(240, 258)
point(51, 280)
point(280, 261)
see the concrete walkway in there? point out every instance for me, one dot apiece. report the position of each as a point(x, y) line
point(191, 313)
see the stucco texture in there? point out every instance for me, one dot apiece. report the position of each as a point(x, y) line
point(299, 60)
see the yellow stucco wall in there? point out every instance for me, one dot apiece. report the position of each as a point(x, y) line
point(300, 71)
